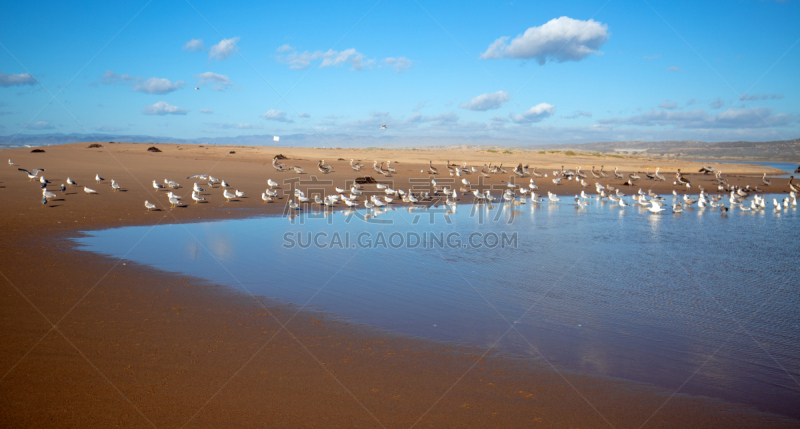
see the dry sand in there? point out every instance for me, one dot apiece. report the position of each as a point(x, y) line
point(90, 342)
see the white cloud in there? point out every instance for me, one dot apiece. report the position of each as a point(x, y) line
point(436, 120)
point(489, 101)
point(16, 79)
point(284, 48)
point(745, 96)
point(302, 60)
point(304, 115)
point(675, 69)
point(163, 108)
point(760, 117)
point(109, 128)
point(561, 39)
point(578, 114)
point(156, 85)
point(109, 78)
point(400, 64)
point(534, 114)
point(220, 80)
point(41, 125)
point(194, 45)
point(651, 58)
point(222, 50)
point(667, 105)
point(206, 111)
point(276, 115)
point(421, 105)
point(233, 125)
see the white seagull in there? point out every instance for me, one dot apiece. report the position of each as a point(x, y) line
point(228, 196)
point(89, 190)
point(149, 205)
point(98, 178)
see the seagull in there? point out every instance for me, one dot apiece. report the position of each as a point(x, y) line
point(228, 195)
point(63, 188)
point(655, 208)
point(272, 183)
point(197, 197)
point(155, 185)
point(266, 197)
point(172, 184)
point(383, 127)
point(98, 178)
point(43, 181)
point(197, 88)
point(197, 189)
point(114, 185)
point(10, 162)
point(48, 194)
point(174, 201)
point(44, 201)
point(293, 205)
point(225, 184)
point(71, 182)
point(32, 174)
point(465, 182)
point(239, 193)
point(89, 190)
point(149, 205)
point(297, 169)
point(198, 176)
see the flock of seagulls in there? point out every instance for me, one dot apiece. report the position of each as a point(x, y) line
point(374, 200)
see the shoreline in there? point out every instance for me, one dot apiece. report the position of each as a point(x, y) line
point(151, 345)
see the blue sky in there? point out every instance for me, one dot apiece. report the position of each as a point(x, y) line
point(464, 72)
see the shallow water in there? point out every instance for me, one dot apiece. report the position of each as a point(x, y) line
point(697, 301)
point(787, 167)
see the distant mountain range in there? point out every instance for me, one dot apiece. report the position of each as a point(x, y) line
point(786, 150)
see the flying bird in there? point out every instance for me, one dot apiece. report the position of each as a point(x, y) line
point(383, 127)
point(32, 174)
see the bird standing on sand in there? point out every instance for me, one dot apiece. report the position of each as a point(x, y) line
point(71, 182)
point(155, 185)
point(89, 190)
point(97, 178)
point(10, 162)
point(173, 201)
point(114, 185)
point(272, 183)
point(149, 205)
point(197, 197)
point(228, 196)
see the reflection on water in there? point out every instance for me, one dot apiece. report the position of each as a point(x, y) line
point(616, 292)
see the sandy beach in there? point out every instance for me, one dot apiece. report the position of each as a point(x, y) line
point(90, 341)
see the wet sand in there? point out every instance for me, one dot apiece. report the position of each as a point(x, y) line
point(90, 342)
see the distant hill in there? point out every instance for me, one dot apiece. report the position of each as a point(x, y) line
point(787, 150)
